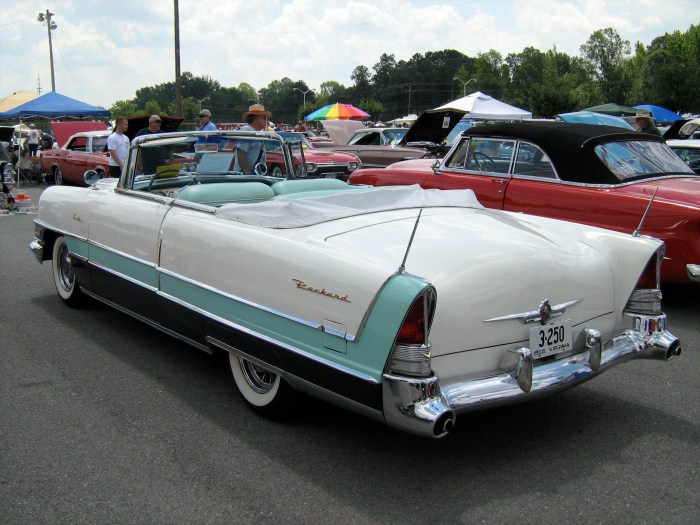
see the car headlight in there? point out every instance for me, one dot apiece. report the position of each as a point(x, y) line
point(311, 167)
point(352, 166)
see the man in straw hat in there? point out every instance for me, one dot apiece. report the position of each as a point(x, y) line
point(644, 120)
point(250, 153)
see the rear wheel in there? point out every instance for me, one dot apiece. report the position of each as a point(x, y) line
point(276, 171)
point(262, 390)
point(64, 276)
point(57, 176)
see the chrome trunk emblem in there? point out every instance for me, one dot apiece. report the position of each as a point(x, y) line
point(545, 312)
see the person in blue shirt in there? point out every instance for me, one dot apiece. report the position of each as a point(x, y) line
point(205, 122)
point(252, 152)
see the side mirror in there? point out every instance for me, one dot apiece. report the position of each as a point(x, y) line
point(91, 177)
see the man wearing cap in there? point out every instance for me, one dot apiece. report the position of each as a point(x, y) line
point(152, 157)
point(205, 123)
point(644, 120)
point(250, 153)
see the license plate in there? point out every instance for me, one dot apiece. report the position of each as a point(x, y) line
point(550, 339)
point(332, 175)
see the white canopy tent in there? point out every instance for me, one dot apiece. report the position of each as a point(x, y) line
point(481, 106)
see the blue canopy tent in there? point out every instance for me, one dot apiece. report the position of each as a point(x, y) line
point(53, 105)
point(660, 114)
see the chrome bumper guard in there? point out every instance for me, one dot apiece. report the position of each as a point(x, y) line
point(424, 407)
point(37, 248)
point(693, 272)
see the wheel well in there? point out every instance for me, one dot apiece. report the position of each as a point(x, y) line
point(49, 239)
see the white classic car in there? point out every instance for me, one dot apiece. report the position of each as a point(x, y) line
point(407, 305)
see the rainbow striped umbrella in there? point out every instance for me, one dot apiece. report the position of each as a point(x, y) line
point(338, 111)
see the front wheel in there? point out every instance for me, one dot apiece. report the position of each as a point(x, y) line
point(276, 171)
point(262, 390)
point(64, 276)
point(57, 176)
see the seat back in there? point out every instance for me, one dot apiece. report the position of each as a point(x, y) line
point(219, 193)
point(284, 187)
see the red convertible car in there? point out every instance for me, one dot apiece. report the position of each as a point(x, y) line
point(320, 163)
point(598, 175)
point(85, 148)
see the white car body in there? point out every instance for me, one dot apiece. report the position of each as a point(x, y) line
point(314, 285)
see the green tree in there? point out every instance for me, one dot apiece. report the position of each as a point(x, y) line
point(123, 108)
point(605, 54)
point(373, 107)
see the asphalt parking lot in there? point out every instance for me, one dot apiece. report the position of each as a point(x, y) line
point(105, 420)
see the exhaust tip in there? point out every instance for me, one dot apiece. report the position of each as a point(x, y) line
point(674, 351)
point(444, 424)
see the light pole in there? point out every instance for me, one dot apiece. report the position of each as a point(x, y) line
point(49, 27)
point(303, 93)
point(465, 83)
point(200, 100)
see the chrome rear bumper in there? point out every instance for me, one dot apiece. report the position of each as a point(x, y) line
point(427, 408)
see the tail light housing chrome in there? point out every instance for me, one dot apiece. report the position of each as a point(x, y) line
point(646, 297)
point(410, 355)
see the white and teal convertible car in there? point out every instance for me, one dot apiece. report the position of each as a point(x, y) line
point(410, 306)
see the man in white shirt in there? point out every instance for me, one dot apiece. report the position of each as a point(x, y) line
point(33, 141)
point(118, 146)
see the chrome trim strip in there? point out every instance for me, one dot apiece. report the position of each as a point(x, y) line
point(341, 368)
point(146, 320)
point(42, 224)
point(120, 253)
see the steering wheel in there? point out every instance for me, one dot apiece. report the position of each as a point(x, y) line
point(482, 161)
point(165, 173)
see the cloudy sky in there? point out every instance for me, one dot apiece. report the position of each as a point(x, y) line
point(104, 50)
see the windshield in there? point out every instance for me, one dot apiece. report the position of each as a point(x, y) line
point(639, 159)
point(171, 160)
point(291, 136)
point(689, 155)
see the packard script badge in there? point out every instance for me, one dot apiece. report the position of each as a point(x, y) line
point(321, 291)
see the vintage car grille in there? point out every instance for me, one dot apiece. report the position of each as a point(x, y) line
point(333, 171)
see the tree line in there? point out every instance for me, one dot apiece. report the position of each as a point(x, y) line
point(544, 82)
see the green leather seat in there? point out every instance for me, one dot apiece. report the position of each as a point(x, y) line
point(219, 193)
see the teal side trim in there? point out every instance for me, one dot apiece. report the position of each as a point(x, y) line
point(367, 354)
point(372, 348)
point(131, 268)
point(77, 246)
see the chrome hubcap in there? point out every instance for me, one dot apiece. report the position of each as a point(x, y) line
point(258, 378)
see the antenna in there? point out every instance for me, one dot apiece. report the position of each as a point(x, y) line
point(636, 232)
point(402, 268)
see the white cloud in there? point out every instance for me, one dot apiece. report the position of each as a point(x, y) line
point(105, 51)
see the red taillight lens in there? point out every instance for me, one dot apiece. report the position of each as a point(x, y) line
point(412, 330)
point(649, 278)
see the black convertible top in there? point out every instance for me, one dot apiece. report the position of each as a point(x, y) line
point(570, 146)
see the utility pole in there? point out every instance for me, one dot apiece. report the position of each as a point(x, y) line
point(50, 26)
point(178, 87)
